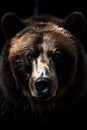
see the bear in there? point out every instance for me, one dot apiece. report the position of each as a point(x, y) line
point(43, 72)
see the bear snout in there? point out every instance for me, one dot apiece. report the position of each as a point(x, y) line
point(43, 85)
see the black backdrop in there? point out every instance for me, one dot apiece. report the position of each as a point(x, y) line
point(26, 8)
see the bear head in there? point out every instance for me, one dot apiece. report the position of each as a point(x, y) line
point(43, 61)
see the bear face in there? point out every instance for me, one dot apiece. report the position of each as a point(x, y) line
point(43, 60)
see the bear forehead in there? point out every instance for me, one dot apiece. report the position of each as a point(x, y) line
point(51, 34)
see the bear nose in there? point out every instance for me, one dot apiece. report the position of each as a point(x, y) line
point(43, 85)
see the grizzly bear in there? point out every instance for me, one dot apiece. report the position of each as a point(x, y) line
point(43, 72)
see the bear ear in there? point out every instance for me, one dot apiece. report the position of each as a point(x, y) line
point(11, 24)
point(75, 23)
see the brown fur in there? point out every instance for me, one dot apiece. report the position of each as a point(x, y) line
point(41, 47)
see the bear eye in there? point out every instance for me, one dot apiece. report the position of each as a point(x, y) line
point(30, 56)
point(56, 56)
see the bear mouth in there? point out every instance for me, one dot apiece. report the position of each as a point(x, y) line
point(42, 96)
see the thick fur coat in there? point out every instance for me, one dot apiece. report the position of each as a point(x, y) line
point(43, 70)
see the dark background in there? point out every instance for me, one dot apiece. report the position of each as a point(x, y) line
point(27, 8)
